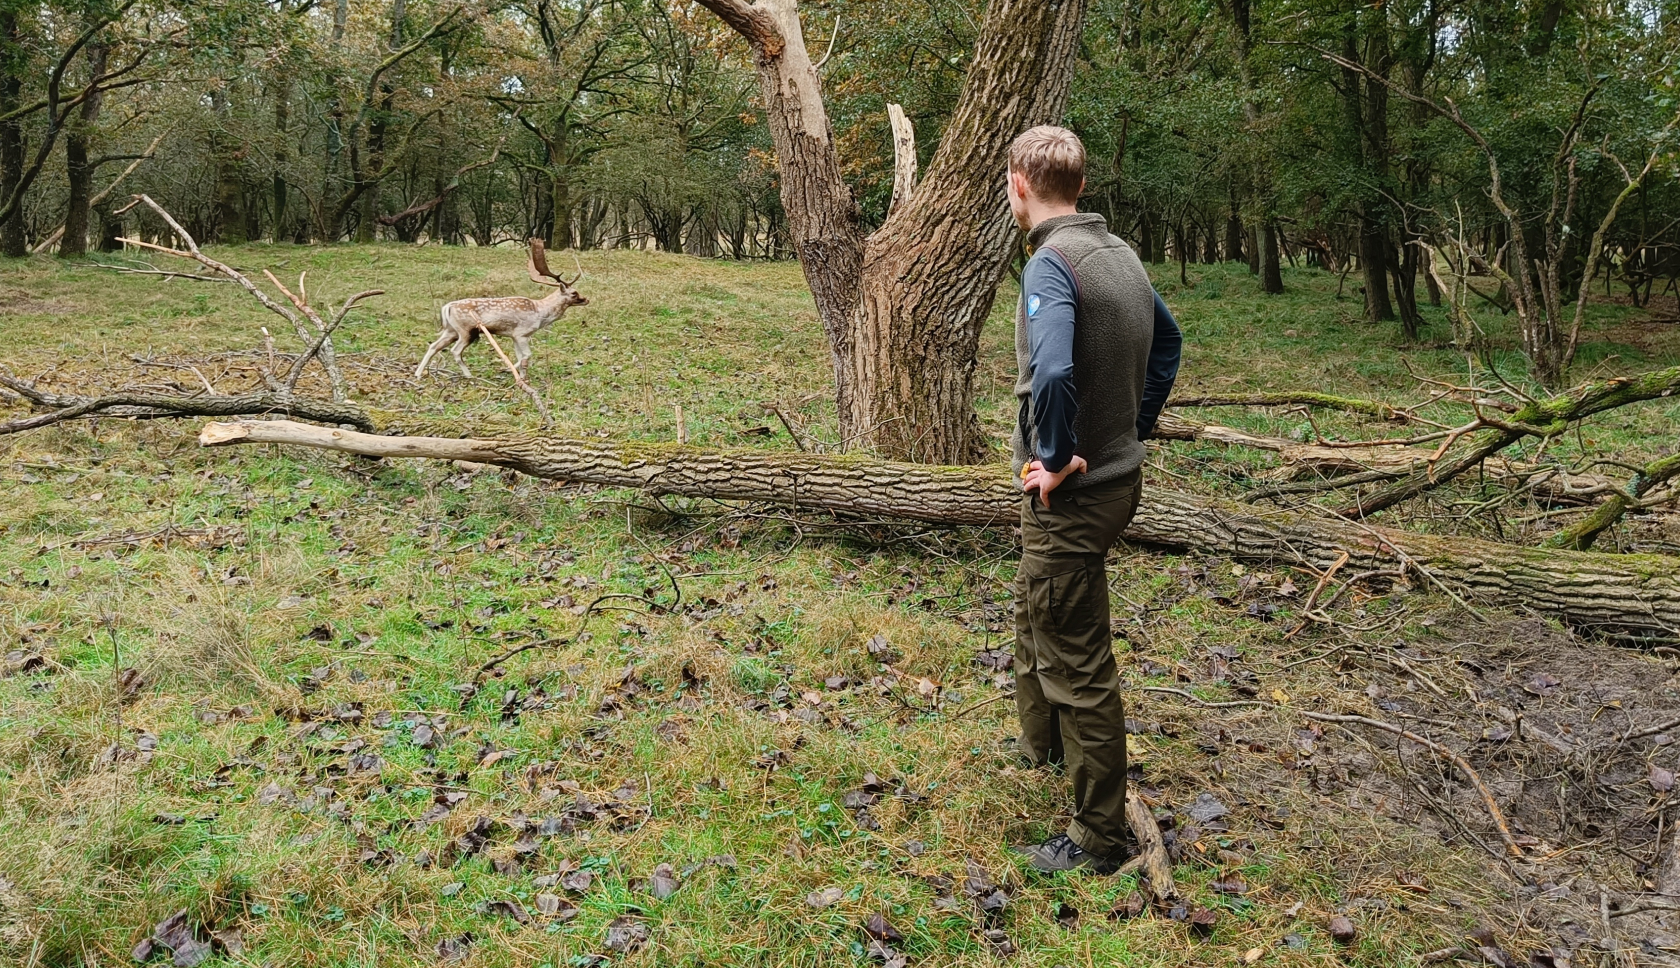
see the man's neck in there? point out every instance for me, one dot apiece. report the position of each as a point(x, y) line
point(1038, 212)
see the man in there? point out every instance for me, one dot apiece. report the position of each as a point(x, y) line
point(1098, 352)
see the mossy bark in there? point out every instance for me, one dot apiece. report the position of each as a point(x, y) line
point(1638, 594)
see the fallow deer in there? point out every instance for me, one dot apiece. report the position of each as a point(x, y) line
point(512, 316)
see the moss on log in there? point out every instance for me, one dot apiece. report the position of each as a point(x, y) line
point(1627, 594)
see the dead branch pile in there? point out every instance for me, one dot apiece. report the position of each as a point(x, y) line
point(280, 394)
point(1401, 469)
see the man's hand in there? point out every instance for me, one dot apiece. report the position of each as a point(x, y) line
point(1035, 478)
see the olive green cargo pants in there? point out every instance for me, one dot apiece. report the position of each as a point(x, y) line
point(1067, 688)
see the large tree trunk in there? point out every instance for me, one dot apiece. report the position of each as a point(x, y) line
point(1271, 274)
point(278, 186)
point(228, 157)
point(77, 167)
point(1623, 593)
point(903, 309)
point(12, 61)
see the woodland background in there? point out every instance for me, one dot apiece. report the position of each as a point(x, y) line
point(1216, 130)
point(272, 704)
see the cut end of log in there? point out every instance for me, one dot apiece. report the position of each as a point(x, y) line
point(222, 433)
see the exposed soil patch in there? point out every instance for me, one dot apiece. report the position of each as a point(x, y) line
point(1550, 722)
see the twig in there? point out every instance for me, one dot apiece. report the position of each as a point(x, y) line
point(1648, 731)
point(529, 390)
point(830, 52)
point(1324, 580)
point(791, 432)
point(1206, 704)
point(973, 706)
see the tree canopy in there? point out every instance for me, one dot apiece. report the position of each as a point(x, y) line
point(1345, 135)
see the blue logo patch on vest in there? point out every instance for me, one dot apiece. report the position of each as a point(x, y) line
point(1032, 304)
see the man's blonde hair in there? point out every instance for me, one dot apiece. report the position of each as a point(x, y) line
point(1053, 161)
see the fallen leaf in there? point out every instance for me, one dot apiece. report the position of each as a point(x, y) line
point(231, 940)
point(1067, 916)
point(1202, 920)
point(1229, 885)
point(999, 941)
point(1661, 780)
point(886, 955)
point(626, 935)
point(1207, 807)
point(826, 897)
point(878, 928)
point(507, 907)
point(555, 906)
point(1128, 907)
point(456, 948)
point(177, 935)
point(664, 882)
point(577, 882)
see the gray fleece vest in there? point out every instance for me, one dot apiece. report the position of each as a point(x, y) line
point(1115, 327)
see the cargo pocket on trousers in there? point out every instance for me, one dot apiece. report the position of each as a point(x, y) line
point(1073, 601)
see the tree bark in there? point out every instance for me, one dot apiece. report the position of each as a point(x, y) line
point(1634, 594)
point(1234, 236)
point(903, 309)
point(279, 189)
point(78, 168)
point(12, 62)
point(1271, 275)
point(228, 157)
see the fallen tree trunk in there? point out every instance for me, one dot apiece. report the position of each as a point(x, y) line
point(1625, 594)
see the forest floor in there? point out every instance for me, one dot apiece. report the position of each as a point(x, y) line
point(245, 684)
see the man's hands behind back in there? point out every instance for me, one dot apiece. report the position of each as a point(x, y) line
point(1034, 477)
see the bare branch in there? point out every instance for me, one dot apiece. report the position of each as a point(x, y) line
point(830, 52)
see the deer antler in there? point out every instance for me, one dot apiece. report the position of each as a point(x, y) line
point(540, 273)
point(538, 266)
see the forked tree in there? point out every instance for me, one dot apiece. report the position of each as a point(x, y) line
point(902, 307)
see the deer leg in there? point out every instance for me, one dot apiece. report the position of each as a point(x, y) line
point(439, 344)
point(456, 351)
point(521, 355)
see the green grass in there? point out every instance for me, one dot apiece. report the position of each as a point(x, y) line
point(265, 596)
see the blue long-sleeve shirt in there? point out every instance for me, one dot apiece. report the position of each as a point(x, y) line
point(1051, 296)
point(1164, 355)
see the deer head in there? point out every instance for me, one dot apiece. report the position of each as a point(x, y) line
point(540, 274)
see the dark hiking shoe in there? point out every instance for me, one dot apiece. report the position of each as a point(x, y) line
point(1060, 853)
